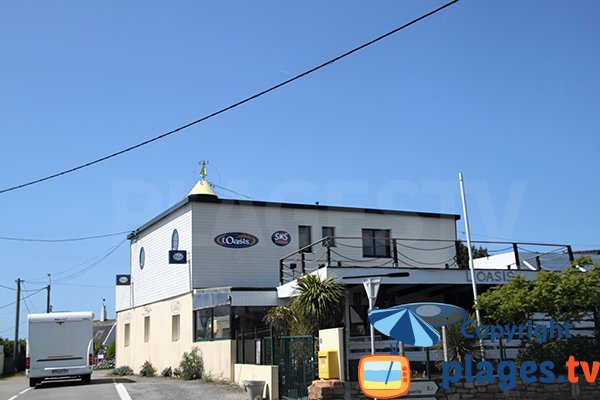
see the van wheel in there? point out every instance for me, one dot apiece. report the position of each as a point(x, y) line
point(86, 378)
point(33, 382)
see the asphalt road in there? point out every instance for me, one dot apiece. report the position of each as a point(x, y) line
point(106, 387)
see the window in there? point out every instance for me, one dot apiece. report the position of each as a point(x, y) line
point(305, 237)
point(142, 258)
point(376, 242)
point(175, 240)
point(146, 329)
point(213, 323)
point(328, 231)
point(126, 332)
point(175, 322)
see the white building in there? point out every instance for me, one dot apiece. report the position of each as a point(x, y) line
point(244, 257)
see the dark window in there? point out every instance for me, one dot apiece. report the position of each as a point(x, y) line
point(175, 240)
point(305, 237)
point(142, 258)
point(376, 242)
point(328, 231)
point(213, 323)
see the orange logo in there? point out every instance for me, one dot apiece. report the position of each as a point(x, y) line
point(384, 376)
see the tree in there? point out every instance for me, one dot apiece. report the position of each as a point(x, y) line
point(317, 305)
point(463, 254)
point(510, 303)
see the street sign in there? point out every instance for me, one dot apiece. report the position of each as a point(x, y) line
point(422, 388)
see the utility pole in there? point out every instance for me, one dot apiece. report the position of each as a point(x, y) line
point(16, 344)
point(48, 307)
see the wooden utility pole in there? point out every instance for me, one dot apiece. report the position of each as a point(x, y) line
point(16, 344)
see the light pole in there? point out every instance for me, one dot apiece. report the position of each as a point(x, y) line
point(372, 288)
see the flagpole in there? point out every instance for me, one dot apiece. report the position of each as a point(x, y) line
point(470, 250)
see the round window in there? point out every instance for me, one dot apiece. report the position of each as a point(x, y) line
point(142, 258)
point(175, 240)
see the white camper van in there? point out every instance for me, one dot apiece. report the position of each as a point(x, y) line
point(59, 345)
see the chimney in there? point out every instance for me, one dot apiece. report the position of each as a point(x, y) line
point(103, 311)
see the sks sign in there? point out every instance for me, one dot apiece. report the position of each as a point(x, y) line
point(236, 240)
point(281, 238)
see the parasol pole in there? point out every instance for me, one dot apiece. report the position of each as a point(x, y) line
point(471, 263)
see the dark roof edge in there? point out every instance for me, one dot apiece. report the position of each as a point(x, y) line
point(160, 216)
point(298, 206)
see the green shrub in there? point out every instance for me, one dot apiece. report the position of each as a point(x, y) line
point(177, 373)
point(147, 369)
point(122, 371)
point(191, 365)
point(110, 351)
point(167, 372)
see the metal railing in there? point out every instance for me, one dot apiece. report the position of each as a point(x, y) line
point(376, 252)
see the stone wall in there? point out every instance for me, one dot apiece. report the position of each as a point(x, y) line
point(530, 391)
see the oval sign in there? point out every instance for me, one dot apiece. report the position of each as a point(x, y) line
point(438, 314)
point(177, 256)
point(123, 279)
point(281, 238)
point(236, 240)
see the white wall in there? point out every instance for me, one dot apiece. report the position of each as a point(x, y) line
point(258, 266)
point(159, 279)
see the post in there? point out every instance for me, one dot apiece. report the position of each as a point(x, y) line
point(395, 250)
point(427, 363)
point(16, 344)
point(517, 259)
point(328, 248)
point(570, 251)
point(457, 248)
point(445, 343)
point(303, 262)
point(471, 263)
point(272, 346)
point(281, 272)
point(48, 308)
point(372, 288)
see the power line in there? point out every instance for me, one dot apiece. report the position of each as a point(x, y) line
point(23, 298)
point(239, 103)
point(78, 239)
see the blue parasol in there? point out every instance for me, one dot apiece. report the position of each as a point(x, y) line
point(404, 325)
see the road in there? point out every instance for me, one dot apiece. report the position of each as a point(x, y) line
point(105, 387)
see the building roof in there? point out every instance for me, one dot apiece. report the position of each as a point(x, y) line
point(298, 206)
point(102, 329)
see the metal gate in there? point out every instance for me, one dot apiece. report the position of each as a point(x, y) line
point(296, 357)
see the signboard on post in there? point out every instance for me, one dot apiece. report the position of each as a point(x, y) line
point(177, 257)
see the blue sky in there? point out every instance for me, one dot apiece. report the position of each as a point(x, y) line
point(507, 92)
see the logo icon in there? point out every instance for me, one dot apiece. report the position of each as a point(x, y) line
point(281, 238)
point(384, 376)
point(177, 257)
point(123, 280)
point(236, 240)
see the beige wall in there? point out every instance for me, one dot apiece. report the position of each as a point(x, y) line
point(218, 357)
point(267, 373)
point(161, 350)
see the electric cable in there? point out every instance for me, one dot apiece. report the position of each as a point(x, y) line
point(232, 106)
point(16, 239)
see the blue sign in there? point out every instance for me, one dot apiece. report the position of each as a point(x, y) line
point(236, 240)
point(281, 238)
point(437, 314)
point(177, 257)
point(123, 280)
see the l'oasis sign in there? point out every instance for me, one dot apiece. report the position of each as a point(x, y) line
point(281, 238)
point(236, 240)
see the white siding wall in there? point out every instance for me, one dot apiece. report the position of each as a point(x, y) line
point(159, 279)
point(258, 266)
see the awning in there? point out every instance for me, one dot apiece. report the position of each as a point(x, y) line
point(212, 297)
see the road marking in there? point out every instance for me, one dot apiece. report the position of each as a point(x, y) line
point(26, 390)
point(121, 391)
